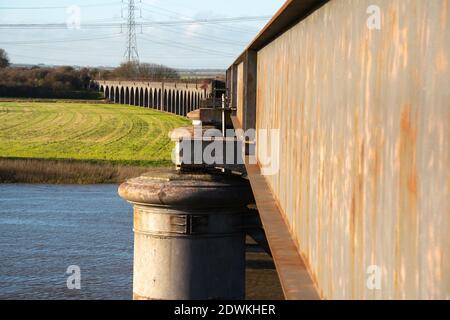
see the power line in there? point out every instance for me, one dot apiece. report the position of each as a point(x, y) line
point(41, 58)
point(89, 53)
point(60, 7)
point(59, 40)
point(151, 57)
point(175, 14)
point(160, 55)
point(204, 37)
point(188, 47)
point(131, 53)
point(67, 62)
point(144, 24)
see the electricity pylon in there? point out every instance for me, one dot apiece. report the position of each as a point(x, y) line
point(131, 53)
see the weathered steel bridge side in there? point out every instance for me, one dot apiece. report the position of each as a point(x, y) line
point(363, 186)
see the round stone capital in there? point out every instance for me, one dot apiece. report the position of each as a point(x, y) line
point(167, 187)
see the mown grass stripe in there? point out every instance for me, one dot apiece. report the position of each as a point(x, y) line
point(90, 132)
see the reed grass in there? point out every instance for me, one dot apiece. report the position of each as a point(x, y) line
point(65, 172)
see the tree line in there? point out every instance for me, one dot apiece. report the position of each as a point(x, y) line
point(46, 82)
point(69, 82)
point(139, 71)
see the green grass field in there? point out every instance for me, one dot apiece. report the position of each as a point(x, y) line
point(92, 132)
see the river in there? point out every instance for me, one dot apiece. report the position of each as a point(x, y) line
point(44, 229)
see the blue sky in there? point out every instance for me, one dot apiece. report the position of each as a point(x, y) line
point(178, 45)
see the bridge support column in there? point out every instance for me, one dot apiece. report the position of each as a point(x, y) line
point(189, 242)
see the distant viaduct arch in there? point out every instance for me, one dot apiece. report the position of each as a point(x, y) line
point(174, 97)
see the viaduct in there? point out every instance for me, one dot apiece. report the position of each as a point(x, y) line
point(175, 97)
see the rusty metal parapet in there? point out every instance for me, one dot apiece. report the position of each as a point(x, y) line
point(363, 118)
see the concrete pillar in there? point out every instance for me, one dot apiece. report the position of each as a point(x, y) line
point(189, 240)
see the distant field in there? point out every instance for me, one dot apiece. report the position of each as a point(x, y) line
point(93, 132)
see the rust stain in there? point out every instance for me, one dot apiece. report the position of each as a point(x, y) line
point(353, 221)
point(408, 140)
point(376, 175)
point(444, 14)
point(394, 19)
point(441, 61)
point(357, 204)
point(407, 219)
